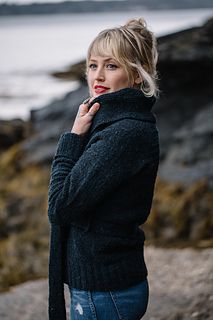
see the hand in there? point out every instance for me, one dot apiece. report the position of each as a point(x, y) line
point(84, 117)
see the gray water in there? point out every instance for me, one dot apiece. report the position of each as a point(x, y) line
point(34, 46)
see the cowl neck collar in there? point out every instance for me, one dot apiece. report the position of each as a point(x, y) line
point(126, 103)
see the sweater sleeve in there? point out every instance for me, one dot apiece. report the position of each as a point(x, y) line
point(77, 185)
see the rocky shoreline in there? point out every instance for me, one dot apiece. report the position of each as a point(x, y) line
point(182, 208)
point(85, 6)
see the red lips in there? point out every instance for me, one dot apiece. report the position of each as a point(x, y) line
point(100, 89)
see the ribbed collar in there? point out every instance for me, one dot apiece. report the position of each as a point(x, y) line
point(128, 103)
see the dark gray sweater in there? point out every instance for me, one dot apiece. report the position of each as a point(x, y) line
point(100, 191)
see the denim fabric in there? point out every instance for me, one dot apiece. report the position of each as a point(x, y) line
point(128, 304)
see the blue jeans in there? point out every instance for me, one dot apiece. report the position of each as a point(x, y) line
point(128, 304)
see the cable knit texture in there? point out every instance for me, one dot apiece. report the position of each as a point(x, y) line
point(100, 191)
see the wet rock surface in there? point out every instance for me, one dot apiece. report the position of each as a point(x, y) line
point(180, 288)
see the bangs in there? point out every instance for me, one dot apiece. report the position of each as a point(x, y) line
point(106, 45)
point(112, 43)
point(101, 47)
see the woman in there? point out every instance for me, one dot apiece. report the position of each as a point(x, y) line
point(102, 182)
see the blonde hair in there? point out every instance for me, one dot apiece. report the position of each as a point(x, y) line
point(134, 47)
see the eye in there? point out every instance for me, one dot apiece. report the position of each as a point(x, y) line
point(92, 66)
point(111, 66)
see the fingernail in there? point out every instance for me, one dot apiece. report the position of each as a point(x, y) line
point(86, 101)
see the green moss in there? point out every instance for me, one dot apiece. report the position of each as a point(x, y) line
point(24, 227)
point(181, 213)
point(23, 257)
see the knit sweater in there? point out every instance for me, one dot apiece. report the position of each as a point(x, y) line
point(100, 192)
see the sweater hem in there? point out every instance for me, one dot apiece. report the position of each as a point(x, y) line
point(101, 277)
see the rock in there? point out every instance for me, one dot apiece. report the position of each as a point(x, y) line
point(24, 230)
point(192, 45)
point(74, 72)
point(11, 132)
point(179, 281)
point(30, 297)
point(185, 71)
point(49, 123)
point(181, 215)
point(180, 284)
point(24, 170)
point(189, 158)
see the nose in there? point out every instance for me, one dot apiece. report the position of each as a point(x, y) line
point(99, 75)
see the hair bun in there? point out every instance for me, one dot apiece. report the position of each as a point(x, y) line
point(139, 27)
point(136, 24)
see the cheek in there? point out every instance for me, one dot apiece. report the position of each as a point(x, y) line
point(89, 83)
point(123, 81)
point(88, 77)
point(89, 80)
point(123, 78)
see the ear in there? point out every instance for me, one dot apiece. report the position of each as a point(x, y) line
point(138, 80)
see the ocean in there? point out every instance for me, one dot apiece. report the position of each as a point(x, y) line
point(34, 46)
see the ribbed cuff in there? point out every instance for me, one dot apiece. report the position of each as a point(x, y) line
point(71, 145)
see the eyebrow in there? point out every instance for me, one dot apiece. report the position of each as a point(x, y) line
point(107, 59)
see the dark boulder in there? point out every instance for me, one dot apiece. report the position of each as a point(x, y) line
point(185, 72)
point(189, 157)
point(49, 123)
point(11, 132)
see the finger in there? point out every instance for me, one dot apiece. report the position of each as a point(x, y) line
point(86, 101)
point(83, 109)
point(91, 99)
point(94, 109)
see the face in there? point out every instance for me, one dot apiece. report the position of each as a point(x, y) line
point(105, 75)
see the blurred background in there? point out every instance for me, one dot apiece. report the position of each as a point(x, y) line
point(43, 46)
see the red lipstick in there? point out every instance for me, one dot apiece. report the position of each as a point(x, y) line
point(100, 89)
